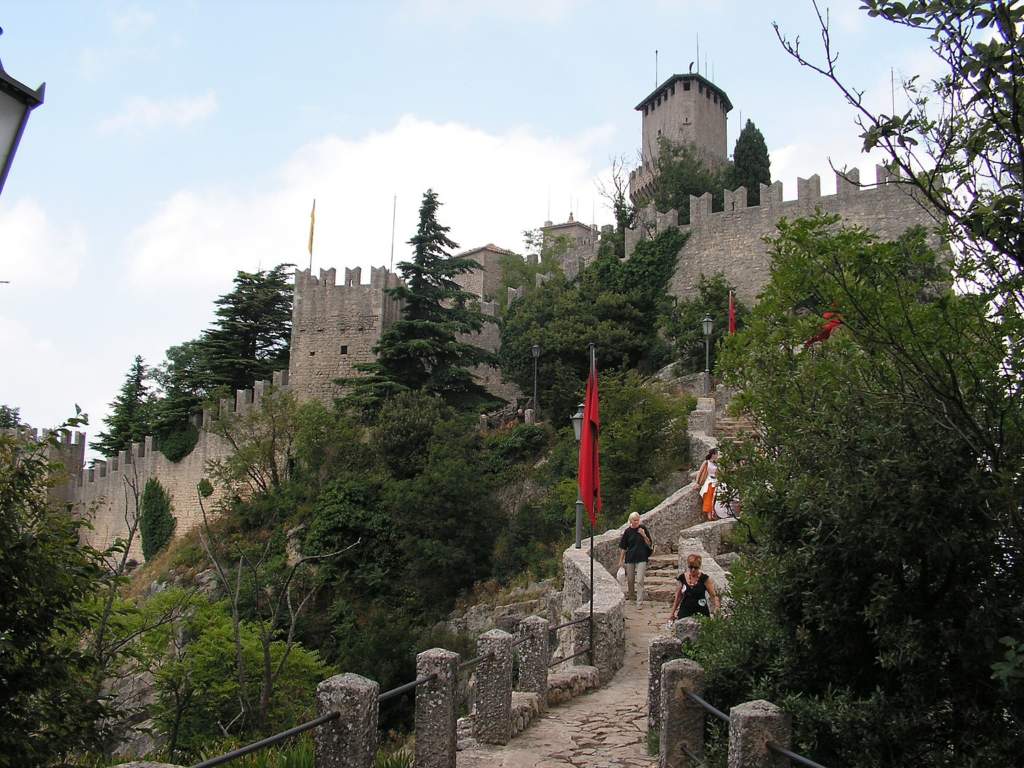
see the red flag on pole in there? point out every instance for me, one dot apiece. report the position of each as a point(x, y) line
point(590, 466)
point(732, 315)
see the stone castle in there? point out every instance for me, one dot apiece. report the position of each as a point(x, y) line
point(335, 326)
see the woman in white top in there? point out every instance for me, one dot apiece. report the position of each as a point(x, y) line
point(707, 481)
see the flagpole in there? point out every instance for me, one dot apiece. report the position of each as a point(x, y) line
point(593, 365)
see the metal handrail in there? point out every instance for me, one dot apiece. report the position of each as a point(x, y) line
point(569, 624)
point(566, 658)
point(475, 660)
point(690, 754)
point(268, 742)
point(709, 707)
point(405, 688)
point(793, 756)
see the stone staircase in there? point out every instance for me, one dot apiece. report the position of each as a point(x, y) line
point(729, 428)
point(660, 583)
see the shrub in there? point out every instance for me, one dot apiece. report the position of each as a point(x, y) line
point(177, 445)
point(157, 523)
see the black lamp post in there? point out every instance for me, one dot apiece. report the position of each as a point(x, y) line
point(577, 428)
point(535, 351)
point(16, 101)
point(708, 323)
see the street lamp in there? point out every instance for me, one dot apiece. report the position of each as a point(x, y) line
point(707, 322)
point(16, 101)
point(535, 350)
point(577, 428)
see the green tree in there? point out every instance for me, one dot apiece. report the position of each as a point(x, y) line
point(128, 421)
point(681, 172)
point(751, 165)
point(46, 702)
point(156, 525)
point(9, 417)
point(424, 350)
point(614, 304)
point(885, 487)
point(684, 323)
point(250, 338)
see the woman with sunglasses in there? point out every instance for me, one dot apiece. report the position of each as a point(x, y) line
point(694, 591)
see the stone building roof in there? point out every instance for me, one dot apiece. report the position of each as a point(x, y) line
point(691, 77)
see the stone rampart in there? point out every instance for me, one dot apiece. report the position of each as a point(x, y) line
point(101, 492)
point(68, 450)
point(731, 241)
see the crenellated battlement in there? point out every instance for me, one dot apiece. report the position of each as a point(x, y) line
point(731, 240)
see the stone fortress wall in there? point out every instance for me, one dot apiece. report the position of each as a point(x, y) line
point(99, 494)
point(731, 241)
point(69, 452)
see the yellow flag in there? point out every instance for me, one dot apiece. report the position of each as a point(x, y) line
point(312, 224)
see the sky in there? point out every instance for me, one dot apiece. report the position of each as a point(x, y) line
point(183, 141)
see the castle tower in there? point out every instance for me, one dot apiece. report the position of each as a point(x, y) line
point(580, 240)
point(685, 109)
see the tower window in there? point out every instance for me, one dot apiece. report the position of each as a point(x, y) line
point(344, 349)
point(311, 354)
point(686, 85)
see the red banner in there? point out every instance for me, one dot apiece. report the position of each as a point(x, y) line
point(590, 465)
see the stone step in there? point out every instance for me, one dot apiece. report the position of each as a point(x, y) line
point(661, 562)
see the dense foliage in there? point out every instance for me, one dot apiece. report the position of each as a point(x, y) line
point(885, 494)
point(156, 524)
point(425, 349)
point(47, 705)
point(681, 171)
point(614, 304)
point(684, 324)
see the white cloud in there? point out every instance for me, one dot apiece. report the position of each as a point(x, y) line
point(492, 188)
point(143, 113)
point(133, 21)
point(35, 251)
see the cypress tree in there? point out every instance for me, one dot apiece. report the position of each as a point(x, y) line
point(157, 523)
point(751, 164)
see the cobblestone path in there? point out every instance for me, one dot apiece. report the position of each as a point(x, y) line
point(598, 730)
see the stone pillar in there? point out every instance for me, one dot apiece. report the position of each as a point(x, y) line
point(492, 720)
point(751, 726)
point(350, 741)
point(435, 709)
point(682, 720)
point(662, 649)
point(687, 630)
point(533, 658)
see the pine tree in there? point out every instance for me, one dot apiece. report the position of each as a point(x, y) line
point(252, 333)
point(422, 350)
point(751, 164)
point(157, 522)
point(128, 421)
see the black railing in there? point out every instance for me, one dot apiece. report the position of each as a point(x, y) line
point(566, 658)
point(475, 660)
point(697, 759)
point(569, 624)
point(800, 759)
point(405, 688)
point(709, 707)
point(268, 742)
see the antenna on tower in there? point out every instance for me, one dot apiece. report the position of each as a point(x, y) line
point(698, 53)
point(549, 202)
point(394, 208)
point(892, 87)
point(655, 67)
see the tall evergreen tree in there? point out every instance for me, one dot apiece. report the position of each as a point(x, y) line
point(751, 164)
point(252, 333)
point(9, 417)
point(681, 172)
point(128, 421)
point(422, 350)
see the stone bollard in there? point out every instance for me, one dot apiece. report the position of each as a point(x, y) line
point(435, 709)
point(350, 741)
point(662, 649)
point(492, 718)
point(751, 726)
point(687, 630)
point(533, 658)
point(682, 720)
